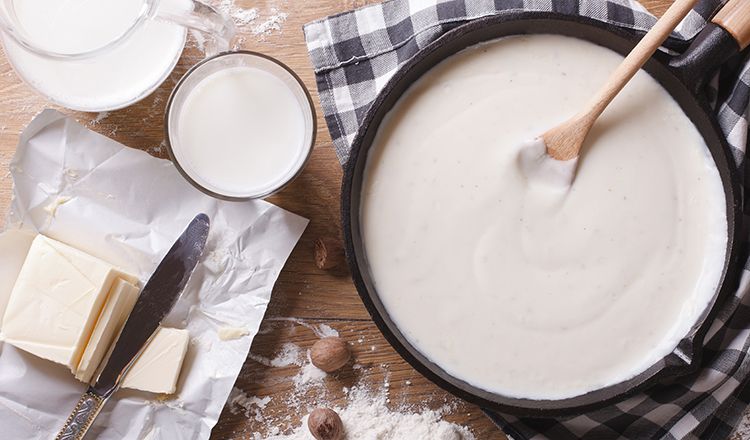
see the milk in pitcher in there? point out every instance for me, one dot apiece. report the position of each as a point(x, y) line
point(127, 73)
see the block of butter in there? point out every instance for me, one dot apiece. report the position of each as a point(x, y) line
point(56, 301)
point(68, 307)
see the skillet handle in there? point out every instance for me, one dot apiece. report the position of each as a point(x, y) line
point(721, 39)
point(735, 18)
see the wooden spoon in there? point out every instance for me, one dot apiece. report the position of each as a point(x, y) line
point(564, 141)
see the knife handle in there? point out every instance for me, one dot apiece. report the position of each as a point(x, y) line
point(82, 417)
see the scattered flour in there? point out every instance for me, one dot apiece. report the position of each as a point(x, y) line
point(325, 331)
point(252, 19)
point(364, 412)
point(241, 16)
point(157, 150)
point(272, 23)
point(290, 355)
point(309, 373)
point(100, 117)
point(239, 399)
point(367, 417)
point(321, 331)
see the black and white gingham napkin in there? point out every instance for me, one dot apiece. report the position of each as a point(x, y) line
point(356, 52)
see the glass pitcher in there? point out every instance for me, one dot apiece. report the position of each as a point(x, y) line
point(101, 55)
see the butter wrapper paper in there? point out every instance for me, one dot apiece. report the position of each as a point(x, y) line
point(127, 208)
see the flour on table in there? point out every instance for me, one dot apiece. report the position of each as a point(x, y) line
point(99, 118)
point(367, 416)
point(238, 398)
point(271, 23)
point(364, 411)
point(326, 332)
point(290, 355)
point(239, 15)
point(321, 331)
point(259, 24)
point(309, 373)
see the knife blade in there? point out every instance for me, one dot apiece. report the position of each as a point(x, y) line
point(157, 298)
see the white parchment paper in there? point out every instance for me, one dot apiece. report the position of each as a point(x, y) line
point(127, 208)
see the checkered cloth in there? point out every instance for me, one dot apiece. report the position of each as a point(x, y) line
point(356, 52)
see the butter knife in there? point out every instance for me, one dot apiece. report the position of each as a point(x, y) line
point(156, 300)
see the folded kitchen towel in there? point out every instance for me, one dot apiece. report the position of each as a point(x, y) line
point(355, 53)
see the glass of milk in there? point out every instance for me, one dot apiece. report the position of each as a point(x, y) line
point(98, 55)
point(240, 125)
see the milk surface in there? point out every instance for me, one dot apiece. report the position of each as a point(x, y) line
point(75, 26)
point(529, 287)
point(109, 82)
point(241, 132)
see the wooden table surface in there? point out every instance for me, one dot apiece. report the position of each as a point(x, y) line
point(307, 302)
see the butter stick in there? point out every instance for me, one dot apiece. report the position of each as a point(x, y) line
point(69, 307)
point(56, 301)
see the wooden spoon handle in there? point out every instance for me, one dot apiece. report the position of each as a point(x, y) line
point(735, 18)
point(638, 57)
point(564, 141)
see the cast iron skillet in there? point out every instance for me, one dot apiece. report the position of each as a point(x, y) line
point(683, 77)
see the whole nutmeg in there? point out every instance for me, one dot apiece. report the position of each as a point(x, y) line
point(330, 354)
point(325, 424)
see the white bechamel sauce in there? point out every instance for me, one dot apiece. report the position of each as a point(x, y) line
point(241, 132)
point(108, 82)
point(532, 288)
point(540, 168)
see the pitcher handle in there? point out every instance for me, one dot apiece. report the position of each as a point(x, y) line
point(199, 16)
